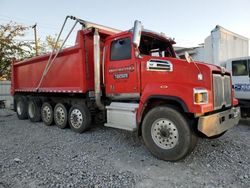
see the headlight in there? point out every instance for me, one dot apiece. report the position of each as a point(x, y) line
point(200, 96)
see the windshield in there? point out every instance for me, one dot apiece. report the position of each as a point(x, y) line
point(153, 46)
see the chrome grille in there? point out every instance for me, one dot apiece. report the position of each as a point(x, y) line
point(222, 91)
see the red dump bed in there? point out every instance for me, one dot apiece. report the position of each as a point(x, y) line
point(71, 72)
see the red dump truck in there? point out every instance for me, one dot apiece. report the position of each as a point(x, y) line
point(130, 80)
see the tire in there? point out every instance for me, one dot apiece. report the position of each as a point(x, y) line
point(61, 115)
point(47, 114)
point(167, 134)
point(99, 118)
point(194, 137)
point(79, 118)
point(22, 108)
point(34, 110)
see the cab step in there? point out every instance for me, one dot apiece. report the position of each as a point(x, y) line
point(122, 115)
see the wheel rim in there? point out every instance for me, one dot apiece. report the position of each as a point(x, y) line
point(19, 108)
point(46, 113)
point(76, 118)
point(164, 133)
point(31, 110)
point(60, 115)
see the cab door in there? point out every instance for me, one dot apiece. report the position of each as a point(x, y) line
point(121, 79)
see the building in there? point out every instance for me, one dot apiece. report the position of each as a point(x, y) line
point(218, 47)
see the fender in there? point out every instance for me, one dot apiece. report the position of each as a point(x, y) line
point(142, 105)
point(172, 98)
point(177, 92)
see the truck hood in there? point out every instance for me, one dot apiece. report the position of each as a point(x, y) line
point(201, 65)
point(213, 68)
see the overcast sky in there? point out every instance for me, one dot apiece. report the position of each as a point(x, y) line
point(189, 21)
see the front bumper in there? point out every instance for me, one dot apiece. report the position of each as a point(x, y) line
point(215, 124)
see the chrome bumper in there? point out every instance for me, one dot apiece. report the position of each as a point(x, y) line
point(215, 124)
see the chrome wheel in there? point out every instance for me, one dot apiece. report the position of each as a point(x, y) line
point(164, 133)
point(46, 113)
point(79, 118)
point(76, 118)
point(60, 115)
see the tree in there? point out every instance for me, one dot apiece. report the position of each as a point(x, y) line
point(48, 45)
point(12, 47)
point(51, 42)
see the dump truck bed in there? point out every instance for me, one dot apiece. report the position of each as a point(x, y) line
point(71, 72)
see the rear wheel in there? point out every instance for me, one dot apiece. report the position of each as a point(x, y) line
point(60, 115)
point(167, 134)
point(34, 110)
point(47, 114)
point(79, 118)
point(22, 108)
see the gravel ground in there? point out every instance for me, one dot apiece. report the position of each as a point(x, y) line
point(34, 155)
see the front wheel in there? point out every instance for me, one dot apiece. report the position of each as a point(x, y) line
point(167, 134)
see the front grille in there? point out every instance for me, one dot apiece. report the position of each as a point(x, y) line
point(222, 91)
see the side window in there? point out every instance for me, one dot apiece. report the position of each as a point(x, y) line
point(240, 68)
point(120, 49)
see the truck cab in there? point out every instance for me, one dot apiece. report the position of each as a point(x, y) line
point(124, 63)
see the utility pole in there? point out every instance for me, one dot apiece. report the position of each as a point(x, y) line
point(34, 27)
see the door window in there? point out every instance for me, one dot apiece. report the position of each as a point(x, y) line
point(120, 49)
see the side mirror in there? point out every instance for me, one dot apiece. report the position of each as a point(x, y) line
point(137, 33)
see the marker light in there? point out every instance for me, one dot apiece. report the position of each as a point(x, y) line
point(200, 96)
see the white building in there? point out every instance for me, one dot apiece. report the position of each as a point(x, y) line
point(218, 47)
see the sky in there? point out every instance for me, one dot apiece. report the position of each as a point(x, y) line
point(188, 21)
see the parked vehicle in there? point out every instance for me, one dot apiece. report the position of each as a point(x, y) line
point(240, 68)
point(131, 80)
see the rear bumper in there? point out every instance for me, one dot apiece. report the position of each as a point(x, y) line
point(215, 124)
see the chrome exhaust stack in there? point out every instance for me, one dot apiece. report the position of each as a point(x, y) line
point(97, 70)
